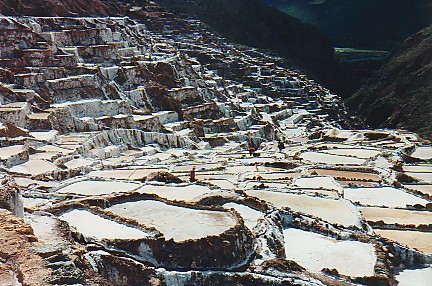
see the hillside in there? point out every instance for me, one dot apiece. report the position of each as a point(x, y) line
point(143, 148)
point(258, 25)
point(400, 94)
point(366, 24)
point(53, 7)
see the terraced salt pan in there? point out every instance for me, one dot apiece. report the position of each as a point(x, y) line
point(94, 226)
point(78, 163)
point(424, 153)
point(249, 215)
point(199, 167)
point(278, 175)
point(50, 156)
point(223, 184)
point(349, 175)
point(318, 157)
point(392, 216)
point(262, 185)
point(418, 168)
point(7, 152)
point(414, 239)
point(26, 182)
point(34, 167)
point(33, 202)
point(415, 277)
point(315, 252)
point(218, 176)
point(190, 193)
point(333, 211)
point(356, 152)
point(93, 188)
point(425, 189)
point(178, 223)
point(317, 183)
point(48, 136)
point(314, 192)
point(54, 149)
point(357, 183)
point(125, 174)
point(254, 160)
point(426, 177)
point(384, 196)
point(243, 169)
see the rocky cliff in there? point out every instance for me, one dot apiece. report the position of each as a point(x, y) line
point(400, 94)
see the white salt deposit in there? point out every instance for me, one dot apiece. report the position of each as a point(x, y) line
point(315, 252)
point(424, 153)
point(415, 277)
point(98, 188)
point(34, 167)
point(333, 211)
point(249, 215)
point(178, 223)
point(317, 157)
point(94, 226)
point(184, 193)
point(384, 196)
point(317, 183)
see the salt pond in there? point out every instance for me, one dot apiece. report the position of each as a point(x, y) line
point(130, 174)
point(315, 252)
point(414, 239)
point(318, 157)
point(393, 216)
point(34, 167)
point(94, 226)
point(333, 211)
point(180, 193)
point(384, 196)
point(7, 152)
point(424, 153)
point(249, 215)
point(178, 223)
point(98, 188)
point(425, 189)
point(356, 152)
point(317, 183)
point(415, 277)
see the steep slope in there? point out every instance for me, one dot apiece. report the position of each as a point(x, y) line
point(258, 25)
point(361, 23)
point(400, 94)
point(53, 7)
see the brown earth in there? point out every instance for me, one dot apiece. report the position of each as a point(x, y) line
point(17, 252)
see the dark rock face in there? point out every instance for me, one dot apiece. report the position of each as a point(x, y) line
point(361, 23)
point(400, 94)
point(255, 24)
point(163, 177)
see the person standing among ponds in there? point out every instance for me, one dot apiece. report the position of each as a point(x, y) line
point(281, 145)
point(192, 174)
point(251, 149)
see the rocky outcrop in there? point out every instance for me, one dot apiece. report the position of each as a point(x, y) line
point(11, 197)
point(19, 263)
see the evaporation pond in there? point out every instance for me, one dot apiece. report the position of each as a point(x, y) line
point(179, 223)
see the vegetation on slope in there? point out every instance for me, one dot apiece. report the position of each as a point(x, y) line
point(400, 94)
point(371, 24)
